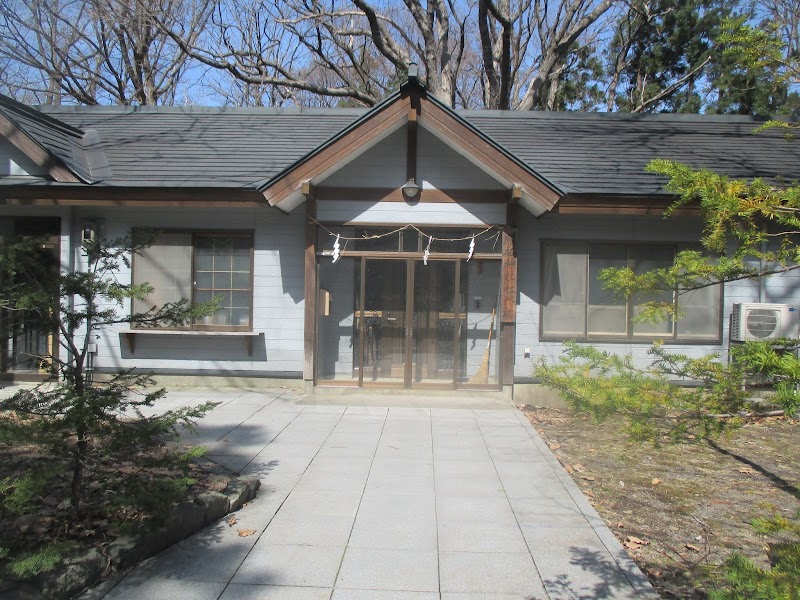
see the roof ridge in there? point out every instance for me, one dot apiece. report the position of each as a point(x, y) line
point(618, 116)
point(234, 110)
point(43, 112)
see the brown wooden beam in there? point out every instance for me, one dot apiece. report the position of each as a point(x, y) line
point(396, 195)
point(31, 148)
point(411, 147)
point(310, 285)
point(508, 300)
point(336, 152)
point(128, 203)
point(85, 195)
point(508, 311)
point(591, 204)
point(487, 154)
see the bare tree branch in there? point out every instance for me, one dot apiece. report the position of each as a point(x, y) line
point(643, 104)
point(99, 51)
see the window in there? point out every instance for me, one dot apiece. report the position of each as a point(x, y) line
point(575, 305)
point(200, 266)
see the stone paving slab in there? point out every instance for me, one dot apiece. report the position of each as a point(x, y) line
point(395, 502)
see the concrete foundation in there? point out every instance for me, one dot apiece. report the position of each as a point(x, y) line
point(535, 394)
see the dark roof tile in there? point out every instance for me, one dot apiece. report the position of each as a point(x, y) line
point(189, 146)
point(585, 153)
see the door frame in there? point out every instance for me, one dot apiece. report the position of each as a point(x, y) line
point(410, 259)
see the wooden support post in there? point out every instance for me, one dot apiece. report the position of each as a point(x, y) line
point(310, 286)
point(508, 300)
point(411, 147)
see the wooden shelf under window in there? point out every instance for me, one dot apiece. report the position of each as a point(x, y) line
point(248, 336)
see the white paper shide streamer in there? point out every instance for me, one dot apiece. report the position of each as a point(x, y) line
point(336, 254)
point(427, 252)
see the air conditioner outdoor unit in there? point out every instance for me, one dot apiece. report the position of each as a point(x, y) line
point(759, 322)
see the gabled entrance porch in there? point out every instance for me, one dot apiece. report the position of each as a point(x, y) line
point(376, 318)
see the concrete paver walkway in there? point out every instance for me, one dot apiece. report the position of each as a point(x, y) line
point(387, 504)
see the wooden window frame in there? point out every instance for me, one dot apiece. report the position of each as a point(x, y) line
point(627, 337)
point(195, 233)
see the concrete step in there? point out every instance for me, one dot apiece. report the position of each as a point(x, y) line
point(353, 396)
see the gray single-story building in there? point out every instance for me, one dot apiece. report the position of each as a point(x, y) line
point(404, 246)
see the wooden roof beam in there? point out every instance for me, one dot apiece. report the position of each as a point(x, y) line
point(319, 165)
point(537, 195)
point(34, 151)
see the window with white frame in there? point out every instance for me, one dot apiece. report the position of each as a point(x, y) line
point(575, 305)
point(199, 266)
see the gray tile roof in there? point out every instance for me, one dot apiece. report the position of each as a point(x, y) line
point(579, 153)
point(606, 153)
point(196, 147)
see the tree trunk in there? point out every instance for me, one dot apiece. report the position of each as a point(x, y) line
point(78, 467)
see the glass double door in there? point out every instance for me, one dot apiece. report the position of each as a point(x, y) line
point(409, 323)
point(398, 322)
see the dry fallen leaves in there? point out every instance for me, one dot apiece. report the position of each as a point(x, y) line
point(655, 481)
point(246, 532)
point(634, 543)
point(554, 446)
point(232, 521)
point(693, 547)
point(746, 470)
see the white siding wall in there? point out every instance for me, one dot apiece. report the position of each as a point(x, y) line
point(14, 163)
point(438, 166)
point(441, 167)
point(277, 302)
point(400, 213)
point(781, 289)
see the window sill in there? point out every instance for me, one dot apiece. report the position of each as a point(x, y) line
point(248, 336)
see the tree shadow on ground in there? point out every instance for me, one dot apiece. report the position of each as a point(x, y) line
point(779, 482)
point(599, 577)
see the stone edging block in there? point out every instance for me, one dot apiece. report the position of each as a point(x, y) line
point(82, 571)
